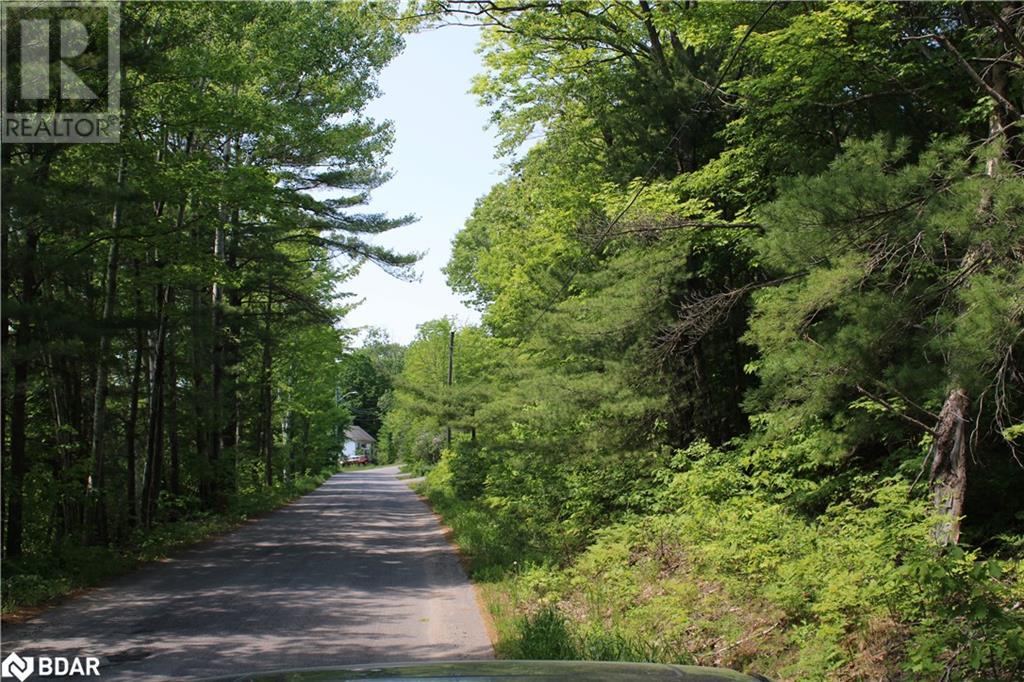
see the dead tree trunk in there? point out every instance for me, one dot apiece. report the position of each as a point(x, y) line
point(949, 467)
point(218, 423)
point(949, 452)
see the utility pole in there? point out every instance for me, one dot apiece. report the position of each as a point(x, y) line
point(451, 365)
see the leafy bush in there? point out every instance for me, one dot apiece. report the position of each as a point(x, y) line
point(29, 588)
point(488, 537)
point(724, 570)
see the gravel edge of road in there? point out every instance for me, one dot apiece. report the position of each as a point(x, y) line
point(464, 561)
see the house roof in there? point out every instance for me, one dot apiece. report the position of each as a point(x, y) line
point(357, 434)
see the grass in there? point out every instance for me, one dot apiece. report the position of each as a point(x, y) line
point(617, 601)
point(527, 627)
point(36, 579)
point(548, 635)
point(741, 582)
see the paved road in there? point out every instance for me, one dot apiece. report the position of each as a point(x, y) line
point(357, 571)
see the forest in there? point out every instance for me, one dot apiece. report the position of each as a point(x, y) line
point(748, 384)
point(174, 353)
point(748, 387)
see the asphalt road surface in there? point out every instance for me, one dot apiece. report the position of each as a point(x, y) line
point(358, 571)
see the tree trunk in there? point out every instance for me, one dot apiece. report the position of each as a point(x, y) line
point(200, 410)
point(303, 463)
point(949, 466)
point(16, 480)
point(216, 432)
point(286, 427)
point(5, 341)
point(19, 399)
point(232, 356)
point(173, 444)
point(154, 431)
point(216, 428)
point(949, 453)
point(267, 398)
point(97, 499)
point(64, 396)
point(133, 406)
point(999, 73)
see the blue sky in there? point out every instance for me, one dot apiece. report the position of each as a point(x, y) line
point(443, 160)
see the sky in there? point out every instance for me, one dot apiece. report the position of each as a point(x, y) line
point(442, 160)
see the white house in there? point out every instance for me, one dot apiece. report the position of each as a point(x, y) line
point(357, 441)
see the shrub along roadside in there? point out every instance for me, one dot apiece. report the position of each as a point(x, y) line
point(720, 570)
point(34, 580)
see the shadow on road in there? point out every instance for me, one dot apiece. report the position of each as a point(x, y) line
point(356, 571)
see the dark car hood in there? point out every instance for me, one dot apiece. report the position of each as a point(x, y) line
point(505, 671)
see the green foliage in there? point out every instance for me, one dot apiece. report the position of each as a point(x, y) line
point(719, 562)
point(173, 304)
point(877, 248)
point(423, 406)
point(548, 635)
point(492, 541)
point(754, 252)
point(544, 636)
point(964, 622)
point(366, 380)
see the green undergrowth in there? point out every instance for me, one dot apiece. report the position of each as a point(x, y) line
point(38, 577)
point(416, 467)
point(355, 468)
point(717, 569)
